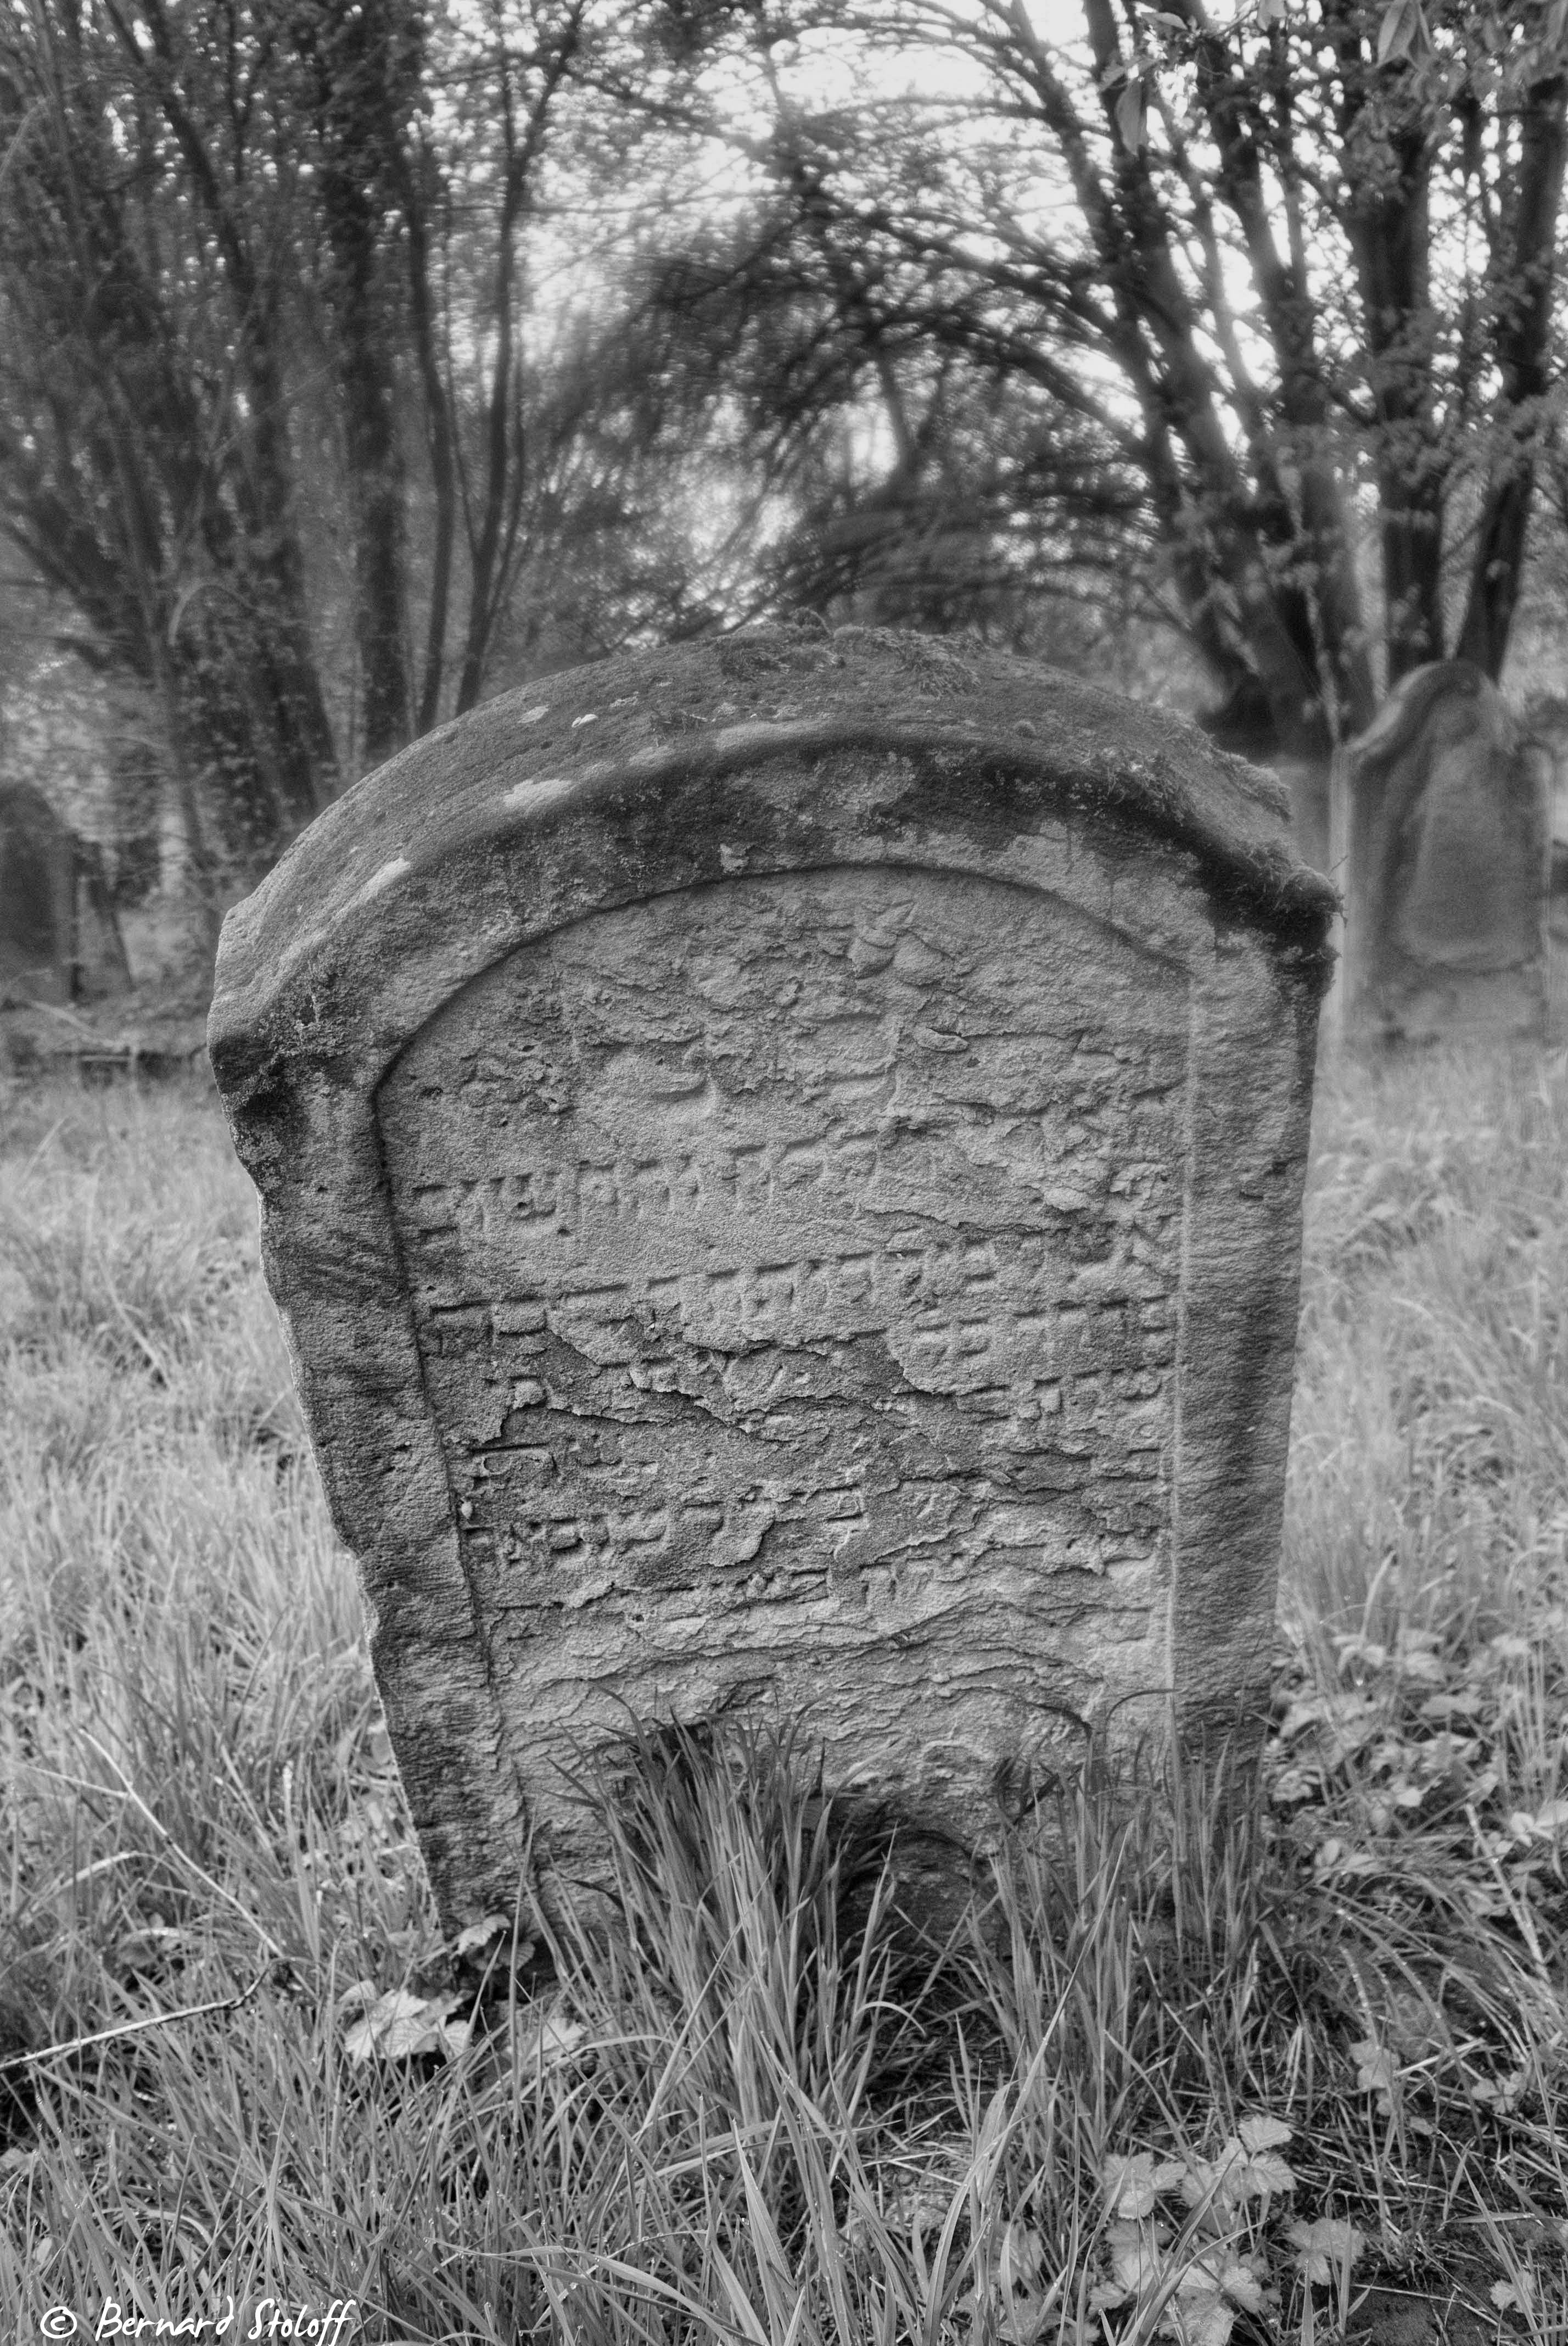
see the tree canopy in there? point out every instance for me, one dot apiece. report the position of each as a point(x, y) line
point(1281, 278)
point(355, 359)
point(282, 420)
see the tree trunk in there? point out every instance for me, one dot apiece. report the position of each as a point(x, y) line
point(361, 92)
point(439, 440)
point(1523, 352)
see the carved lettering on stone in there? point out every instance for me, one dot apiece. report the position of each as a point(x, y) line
point(812, 1272)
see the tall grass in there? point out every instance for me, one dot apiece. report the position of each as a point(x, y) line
point(1217, 2049)
point(1429, 1469)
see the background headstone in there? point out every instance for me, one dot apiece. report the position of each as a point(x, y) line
point(37, 899)
point(1442, 845)
point(1546, 717)
point(102, 967)
point(60, 937)
point(782, 1162)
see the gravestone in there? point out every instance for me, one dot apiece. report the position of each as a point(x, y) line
point(1546, 717)
point(59, 936)
point(102, 967)
point(37, 899)
point(1442, 839)
point(781, 1163)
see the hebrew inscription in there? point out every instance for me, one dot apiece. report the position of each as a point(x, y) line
point(795, 1268)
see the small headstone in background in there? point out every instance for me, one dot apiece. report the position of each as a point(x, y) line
point(1443, 847)
point(781, 1161)
point(1546, 718)
point(37, 899)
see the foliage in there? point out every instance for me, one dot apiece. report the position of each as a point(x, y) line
point(356, 361)
point(285, 419)
point(1226, 275)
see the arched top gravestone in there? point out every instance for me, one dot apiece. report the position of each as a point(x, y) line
point(1442, 818)
point(782, 1162)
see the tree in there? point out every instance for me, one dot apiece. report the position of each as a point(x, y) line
point(905, 486)
point(144, 460)
point(268, 408)
point(1288, 268)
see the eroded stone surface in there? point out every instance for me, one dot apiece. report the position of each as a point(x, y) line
point(1443, 817)
point(795, 1270)
point(801, 1212)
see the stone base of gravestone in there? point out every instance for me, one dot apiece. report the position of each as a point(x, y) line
point(1440, 841)
point(781, 1163)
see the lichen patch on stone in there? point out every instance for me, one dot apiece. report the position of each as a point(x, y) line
point(383, 878)
point(536, 791)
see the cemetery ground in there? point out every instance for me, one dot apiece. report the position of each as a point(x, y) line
point(1261, 2056)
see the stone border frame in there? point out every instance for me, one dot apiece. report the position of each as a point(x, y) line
point(390, 905)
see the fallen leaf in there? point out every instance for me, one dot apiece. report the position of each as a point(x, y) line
point(1267, 2174)
point(551, 2041)
point(1376, 2071)
point(1133, 2185)
point(1504, 2094)
point(1232, 2176)
point(1327, 2247)
point(1134, 2253)
point(1024, 2322)
point(1242, 2286)
point(1202, 2319)
point(479, 1934)
point(1021, 2259)
point(400, 2025)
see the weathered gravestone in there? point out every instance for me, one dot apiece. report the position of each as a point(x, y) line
point(1441, 842)
point(37, 899)
point(58, 934)
point(1546, 716)
point(781, 1161)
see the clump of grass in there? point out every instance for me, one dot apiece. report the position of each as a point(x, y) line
point(1429, 1425)
point(750, 1914)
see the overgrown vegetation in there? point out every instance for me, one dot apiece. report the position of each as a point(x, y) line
point(1248, 2054)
